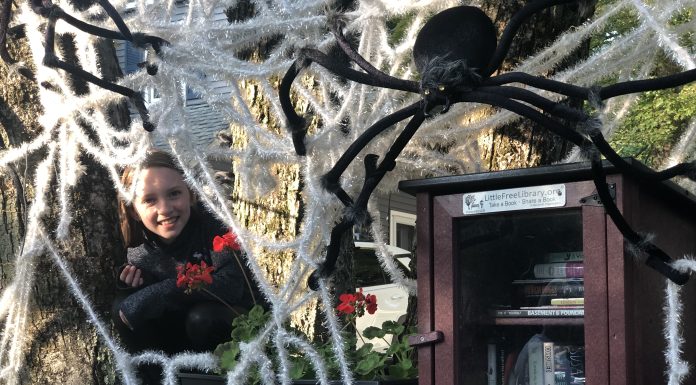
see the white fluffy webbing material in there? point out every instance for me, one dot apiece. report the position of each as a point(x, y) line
point(202, 42)
point(677, 368)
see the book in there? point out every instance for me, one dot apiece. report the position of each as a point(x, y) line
point(533, 312)
point(535, 361)
point(492, 371)
point(569, 364)
point(509, 377)
point(576, 358)
point(552, 307)
point(497, 359)
point(559, 270)
point(564, 256)
point(567, 301)
point(532, 292)
point(549, 367)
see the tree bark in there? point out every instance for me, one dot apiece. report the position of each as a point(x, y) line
point(64, 347)
point(524, 143)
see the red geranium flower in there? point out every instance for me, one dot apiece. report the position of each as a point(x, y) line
point(371, 303)
point(193, 276)
point(355, 304)
point(227, 240)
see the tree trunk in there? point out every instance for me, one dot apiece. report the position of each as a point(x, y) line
point(524, 143)
point(63, 346)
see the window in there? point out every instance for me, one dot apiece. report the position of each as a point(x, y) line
point(402, 230)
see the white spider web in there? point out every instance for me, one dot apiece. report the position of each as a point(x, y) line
point(199, 44)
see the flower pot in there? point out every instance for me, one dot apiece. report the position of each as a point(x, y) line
point(213, 379)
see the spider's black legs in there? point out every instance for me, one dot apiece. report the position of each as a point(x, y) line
point(657, 258)
point(54, 13)
point(546, 105)
point(330, 179)
point(117, 19)
point(538, 82)
point(660, 83)
point(397, 83)
point(497, 100)
point(307, 56)
point(511, 29)
point(5, 15)
point(604, 93)
point(357, 212)
point(361, 77)
point(51, 60)
point(297, 124)
point(646, 175)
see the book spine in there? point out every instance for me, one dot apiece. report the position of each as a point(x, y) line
point(576, 356)
point(559, 270)
point(564, 256)
point(542, 312)
point(553, 290)
point(492, 364)
point(567, 301)
point(549, 366)
point(535, 361)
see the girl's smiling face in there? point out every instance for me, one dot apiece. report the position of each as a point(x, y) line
point(162, 202)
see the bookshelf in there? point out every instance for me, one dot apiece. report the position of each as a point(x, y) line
point(481, 239)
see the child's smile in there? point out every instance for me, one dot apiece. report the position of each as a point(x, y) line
point(162, 202)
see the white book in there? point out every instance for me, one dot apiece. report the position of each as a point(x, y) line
point(492, 364)
point(549, 364)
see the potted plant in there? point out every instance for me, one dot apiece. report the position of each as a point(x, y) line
point(393, 366)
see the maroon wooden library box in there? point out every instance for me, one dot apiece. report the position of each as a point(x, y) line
point(499, 257)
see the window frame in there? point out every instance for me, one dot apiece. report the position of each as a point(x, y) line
point(399, 217)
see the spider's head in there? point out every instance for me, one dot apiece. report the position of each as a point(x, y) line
point(441, 79)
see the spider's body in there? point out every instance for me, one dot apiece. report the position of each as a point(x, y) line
point(456, 54)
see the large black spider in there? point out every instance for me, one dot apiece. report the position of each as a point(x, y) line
point(460, 69)
point(54, 13)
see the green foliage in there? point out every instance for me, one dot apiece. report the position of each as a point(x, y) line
point(244, 329)
point(397, 26)
point(396, 362)
point(658, 118)
point(618, 25)
point(655, 123)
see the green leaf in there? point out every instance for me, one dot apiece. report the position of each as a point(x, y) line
point(392, 327)
point(369, 363)
point(298, 367)
point(373, 332)
point(256, 313)
point(227, 353)
point(364, 350)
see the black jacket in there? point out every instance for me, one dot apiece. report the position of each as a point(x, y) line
point(232, 280)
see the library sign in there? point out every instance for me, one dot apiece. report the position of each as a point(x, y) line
point(522, 198)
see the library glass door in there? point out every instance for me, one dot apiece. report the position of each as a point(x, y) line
point(520, 297)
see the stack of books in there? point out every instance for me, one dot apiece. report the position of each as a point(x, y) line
point(539, 361)
point(555, 289)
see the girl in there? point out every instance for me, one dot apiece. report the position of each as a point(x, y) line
point(164, 227)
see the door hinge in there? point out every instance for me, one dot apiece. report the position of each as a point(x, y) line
point(593, 199)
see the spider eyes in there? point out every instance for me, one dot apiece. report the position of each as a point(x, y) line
point(440, 88)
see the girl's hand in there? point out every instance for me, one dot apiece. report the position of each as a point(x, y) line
point(131, 276)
